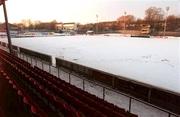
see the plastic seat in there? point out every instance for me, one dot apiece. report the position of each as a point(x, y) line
point(19, 92)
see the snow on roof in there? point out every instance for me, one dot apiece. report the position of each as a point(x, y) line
point(151, 61)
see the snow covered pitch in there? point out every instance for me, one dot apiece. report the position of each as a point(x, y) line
point(151, 61)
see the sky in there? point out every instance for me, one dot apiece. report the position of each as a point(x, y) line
point(82, 11)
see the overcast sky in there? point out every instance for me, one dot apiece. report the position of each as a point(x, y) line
point(82, 11)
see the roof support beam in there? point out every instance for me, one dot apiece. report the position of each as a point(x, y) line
point(2, 2)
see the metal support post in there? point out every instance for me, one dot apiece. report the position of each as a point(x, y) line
point(7, 28)
point(130, 104)
point(103, 93)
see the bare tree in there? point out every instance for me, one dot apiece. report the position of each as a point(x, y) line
point(27, 23)
point(173, 23)
point(154, 14)
point(127, 18)
point(125, 21)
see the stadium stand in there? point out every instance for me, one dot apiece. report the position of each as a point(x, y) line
point(46, 95)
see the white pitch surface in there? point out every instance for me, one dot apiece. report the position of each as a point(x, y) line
point(151, 61)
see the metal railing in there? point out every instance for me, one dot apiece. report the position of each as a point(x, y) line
point(47, 67)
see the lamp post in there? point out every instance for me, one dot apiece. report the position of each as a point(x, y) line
point(165, 23)
point(124, 21)
point(97, 24)
point(2, 2)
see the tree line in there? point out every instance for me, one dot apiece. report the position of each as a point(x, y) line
point(154, 16)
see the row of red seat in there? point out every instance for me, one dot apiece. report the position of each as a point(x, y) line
point(63, 96)
point(85, 109)
point(91, 100)
point(24, 76)
point(26, 99)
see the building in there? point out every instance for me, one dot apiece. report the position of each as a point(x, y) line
point(11, 26)
point(59, 27)
point(67, 27)
point(145, 29)
point(70, 26)
point(13, 29)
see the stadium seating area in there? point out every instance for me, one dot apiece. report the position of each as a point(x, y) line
point(46, 95)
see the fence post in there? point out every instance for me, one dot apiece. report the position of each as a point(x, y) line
point(70, 77)
point(31, 60)
point(103, 93)
point(149, 95)
point(42, 65)
point(113, 82)
point(27, 58)
point(36, 61)
point(22, 56)
point(58, 72)
point(19, 55)
point(49, 68)
point(83, 85)
point(130, 104)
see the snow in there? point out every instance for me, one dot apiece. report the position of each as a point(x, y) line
point(151, 61)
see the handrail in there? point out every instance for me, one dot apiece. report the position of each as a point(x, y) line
point(124, 94)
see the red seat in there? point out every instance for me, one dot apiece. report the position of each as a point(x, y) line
point(19, 92)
